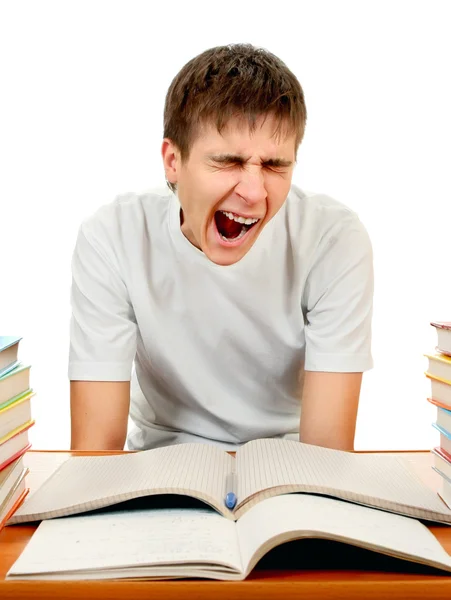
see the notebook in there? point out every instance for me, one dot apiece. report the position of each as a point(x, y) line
point(199, 542)
point(262, 469)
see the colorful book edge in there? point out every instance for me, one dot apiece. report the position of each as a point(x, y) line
point(440, 357)
point(442, 454)
point(14, 507)
point(9, 368)
point(15, 456)
point(442, 475)
point(17, 400)
point(437, 378)
point(442, 431)
point(439, 404)
point(441, 324)
point(16, 431)
point(20, 367)
point(6, 341)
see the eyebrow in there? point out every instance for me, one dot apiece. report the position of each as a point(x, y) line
point(227, 159)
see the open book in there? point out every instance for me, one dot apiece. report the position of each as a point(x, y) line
point(199, 542)
point(262, 469)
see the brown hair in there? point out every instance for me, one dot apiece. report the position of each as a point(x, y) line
point(237, 80)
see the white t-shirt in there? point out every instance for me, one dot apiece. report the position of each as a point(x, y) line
point(218, 352)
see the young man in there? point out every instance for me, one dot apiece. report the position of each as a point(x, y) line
point(243, 302)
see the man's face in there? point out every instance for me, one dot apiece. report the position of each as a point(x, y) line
point(231, 186)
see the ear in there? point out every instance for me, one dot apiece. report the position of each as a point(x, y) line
point(171, 160)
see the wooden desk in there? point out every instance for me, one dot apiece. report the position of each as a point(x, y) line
point(338, 571)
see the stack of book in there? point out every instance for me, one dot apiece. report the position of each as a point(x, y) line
point(439, 374)
point(15, 422)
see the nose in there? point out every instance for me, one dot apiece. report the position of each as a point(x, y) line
point(251, 186)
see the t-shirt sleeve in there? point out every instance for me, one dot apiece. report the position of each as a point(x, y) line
point(103, 326)
point(339, 302)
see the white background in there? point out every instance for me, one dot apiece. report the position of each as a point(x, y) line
point(82, 94)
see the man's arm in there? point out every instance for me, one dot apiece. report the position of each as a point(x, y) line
point(103, 334)
point(337, 305)
point(99, 414)
point(329, 409)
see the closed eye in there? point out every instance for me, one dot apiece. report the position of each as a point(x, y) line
point(279, 165)
point(269, 167)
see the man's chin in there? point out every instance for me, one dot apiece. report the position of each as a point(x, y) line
point(223, 257)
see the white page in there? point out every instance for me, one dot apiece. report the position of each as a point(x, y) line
point(369, 479)
point(115, 540)
point(90, 482)
point(316, 516)
point(42, 465)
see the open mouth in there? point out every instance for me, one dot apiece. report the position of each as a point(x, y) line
point(232, 227)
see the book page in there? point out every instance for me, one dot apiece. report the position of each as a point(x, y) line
point(285, 518)
point(89, 482)
point(118, 540)
point(274, 466)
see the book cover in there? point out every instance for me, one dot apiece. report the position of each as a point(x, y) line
point(440, 357)
point(16, 431)
point(9, 368)
point(14, 457)
point(437, 378)
point(442, 453)
point(9, 349)
point(443, 332)
point(14, 382)
point(8, 340)
point(439, 365)
point(16, 400)
point(17, 369)
point(441, 324)
point(447, 434)
point(14, 507)
point(439, 404)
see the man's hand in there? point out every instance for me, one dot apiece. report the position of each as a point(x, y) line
point(329, 409)
point(99, 414)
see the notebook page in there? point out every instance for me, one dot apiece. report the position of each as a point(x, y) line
point(283, 466)
point(121, 539)
point(299, 515)
point(89, 482)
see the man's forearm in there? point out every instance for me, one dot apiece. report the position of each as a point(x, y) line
point(329, 409)
point(99, 414)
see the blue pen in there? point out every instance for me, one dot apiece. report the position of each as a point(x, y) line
point(230, 499)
